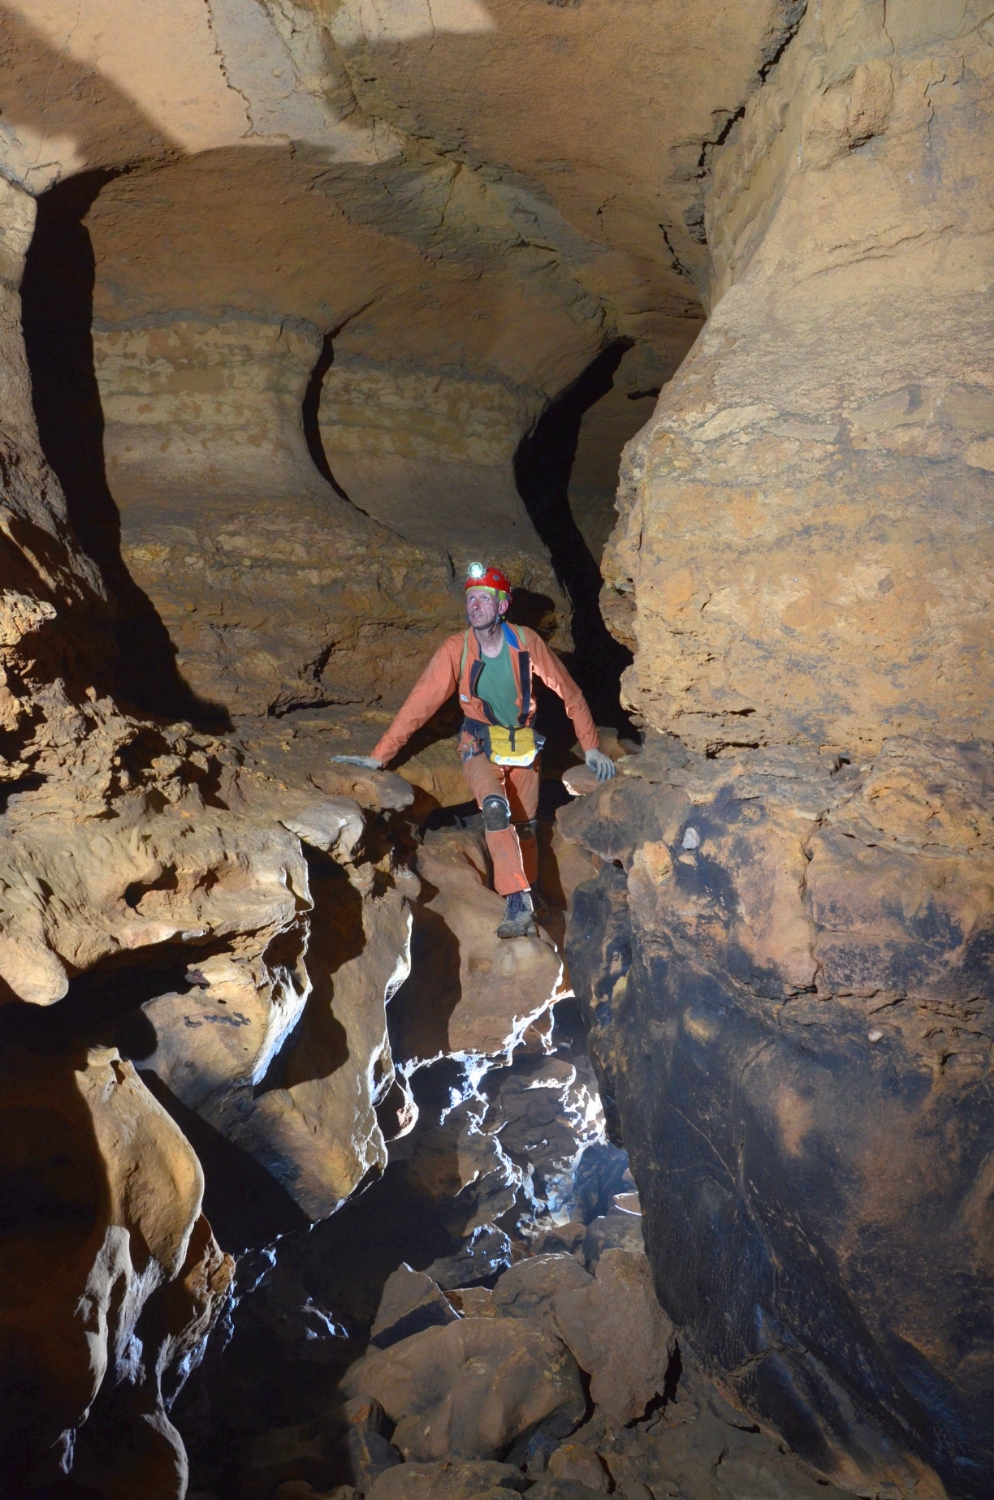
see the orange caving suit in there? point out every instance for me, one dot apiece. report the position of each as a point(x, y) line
point(514, 870)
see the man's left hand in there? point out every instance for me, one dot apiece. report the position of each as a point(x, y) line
point(368, 762)
point(602, 765)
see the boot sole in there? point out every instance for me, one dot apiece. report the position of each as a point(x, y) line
point(513, 930)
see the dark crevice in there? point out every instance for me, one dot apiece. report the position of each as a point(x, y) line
point(57, 314)
point(793, 15)
point(309, 412)
point(244, 1203)
point(103, 1006)
point(543, 464)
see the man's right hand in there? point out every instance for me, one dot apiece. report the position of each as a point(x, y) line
point(602, 765)
point(368, 762)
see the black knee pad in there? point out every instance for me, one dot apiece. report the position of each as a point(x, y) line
point(496, 813)
point(528, 830)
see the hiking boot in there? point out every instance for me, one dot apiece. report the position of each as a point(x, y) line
point(519, 917)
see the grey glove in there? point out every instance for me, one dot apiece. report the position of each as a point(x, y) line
point(368, 762)
point(602, 765)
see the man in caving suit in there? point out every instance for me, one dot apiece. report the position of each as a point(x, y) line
point(492, 666)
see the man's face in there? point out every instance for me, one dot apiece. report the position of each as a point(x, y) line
point(482, 608)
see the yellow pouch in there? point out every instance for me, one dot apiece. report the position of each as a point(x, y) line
point(512, 747)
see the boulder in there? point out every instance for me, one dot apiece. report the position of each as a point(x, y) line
point(614, 1231)
point(618, 1333)
point(472, 1388)
point(485, 1252)
point(472, 1301)
point(563, 1489)
point(369, 1456)
point(581, 1465)
point(527, 1290)
point(411, 1302)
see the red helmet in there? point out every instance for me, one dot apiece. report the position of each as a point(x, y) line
point(480, 576)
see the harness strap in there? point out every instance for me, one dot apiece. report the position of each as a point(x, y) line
point(524, 672)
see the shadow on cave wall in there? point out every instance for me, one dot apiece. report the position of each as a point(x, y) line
point(543, 464)
point(57, 313)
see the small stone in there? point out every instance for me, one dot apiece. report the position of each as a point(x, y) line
point(573, 1461)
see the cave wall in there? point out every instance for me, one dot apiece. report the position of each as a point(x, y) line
point(111, 1272)
point(804, 550)
point(787, 981)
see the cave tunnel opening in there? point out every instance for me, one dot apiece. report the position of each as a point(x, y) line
point(566, 471)
point(57, 318)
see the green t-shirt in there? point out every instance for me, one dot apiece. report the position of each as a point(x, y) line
point(496, 686)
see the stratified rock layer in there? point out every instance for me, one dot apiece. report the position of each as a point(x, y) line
point(805, 549)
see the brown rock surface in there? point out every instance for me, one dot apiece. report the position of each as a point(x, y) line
point(304, 277)
point(818, 933)
point(385, 274)
point(447, 1480)
point(529, 1290)
point(411, 1302)
point(470, 993)
point(472, 1388)
point(804, 536)
point(112, 1277)
point(572, 1461)
point(618, 1333)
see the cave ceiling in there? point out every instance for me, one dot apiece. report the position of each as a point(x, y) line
point(496, 188)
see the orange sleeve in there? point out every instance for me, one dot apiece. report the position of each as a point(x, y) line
point(554, 675)
point(437, 682)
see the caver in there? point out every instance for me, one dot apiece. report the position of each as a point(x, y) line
point(492, 664)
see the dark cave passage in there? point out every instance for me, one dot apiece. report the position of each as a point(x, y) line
point(543, 466)
point(264, 1406)
point(57, 314)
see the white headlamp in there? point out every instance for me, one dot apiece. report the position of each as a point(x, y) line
point(475, 570)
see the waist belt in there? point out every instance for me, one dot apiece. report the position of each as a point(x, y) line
point(505, 747)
